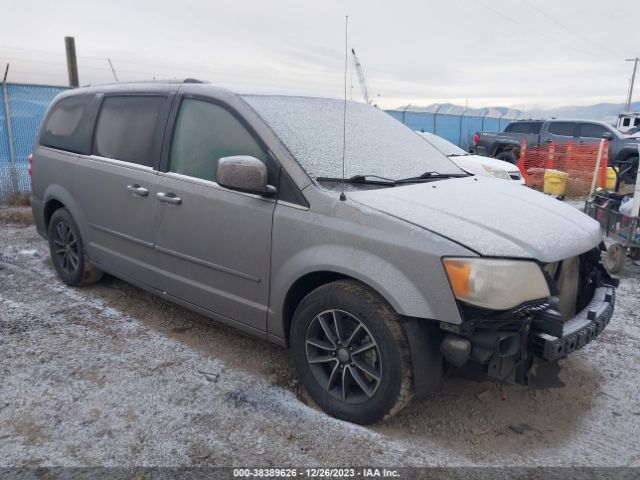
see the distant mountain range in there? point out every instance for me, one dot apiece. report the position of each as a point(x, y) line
point(605, 112)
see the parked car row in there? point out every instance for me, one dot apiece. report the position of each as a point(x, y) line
point(475, 164)
point(623, 150)
point(351, 240)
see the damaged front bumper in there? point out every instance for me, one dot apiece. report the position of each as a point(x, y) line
point(579, 331)
point(505, 345)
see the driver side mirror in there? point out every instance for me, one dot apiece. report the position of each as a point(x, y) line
point(245, 174)
point(608, 136)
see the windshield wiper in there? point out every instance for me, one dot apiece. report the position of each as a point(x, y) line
point(430, 176)
point(366, 179)
point(378, 180)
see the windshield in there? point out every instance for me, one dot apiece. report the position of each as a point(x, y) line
point(445, 146)
point(377, 144)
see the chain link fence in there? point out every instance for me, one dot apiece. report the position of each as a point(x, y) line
point(23, 107)
point(455, 123)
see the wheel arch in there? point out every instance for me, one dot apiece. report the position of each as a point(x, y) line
point(626, 154)
point(290, 287)
point(55, 197)
point(50, 207)
point(302, 287)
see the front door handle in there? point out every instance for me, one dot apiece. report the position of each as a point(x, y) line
point(169, 198)
point(137, 190)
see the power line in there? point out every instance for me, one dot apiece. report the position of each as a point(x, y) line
point(565, 27)
point(527, 27)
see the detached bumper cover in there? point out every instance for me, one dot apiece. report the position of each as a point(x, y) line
point(579, 331)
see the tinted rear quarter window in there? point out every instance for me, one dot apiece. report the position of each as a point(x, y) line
point(524, 127)
point(592, 130)
point(69, 124)
point(127, 127)
point(563, 129)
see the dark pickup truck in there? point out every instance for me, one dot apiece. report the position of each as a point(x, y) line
point(623, 151)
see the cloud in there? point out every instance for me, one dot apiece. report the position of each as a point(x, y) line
point(490, 52)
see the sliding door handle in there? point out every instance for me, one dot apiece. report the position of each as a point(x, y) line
point(137, 190)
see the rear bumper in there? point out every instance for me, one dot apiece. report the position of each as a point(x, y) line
point(37, 210)
point(580, 330)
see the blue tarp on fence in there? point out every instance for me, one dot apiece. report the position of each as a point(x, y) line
point(458, 128)
point(27, 105)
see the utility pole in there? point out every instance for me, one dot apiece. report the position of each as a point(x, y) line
point(72, 62)
point(633, 78)
point(12, 152)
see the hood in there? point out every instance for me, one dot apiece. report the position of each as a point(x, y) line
point(468, 160)
point(501, 219)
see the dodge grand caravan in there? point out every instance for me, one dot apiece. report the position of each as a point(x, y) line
point(233, 204)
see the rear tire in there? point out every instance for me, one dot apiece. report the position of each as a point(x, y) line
point(507, 156)
point(68, 252)
point(351, 352)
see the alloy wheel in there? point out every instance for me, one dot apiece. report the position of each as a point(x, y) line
point(343, 356)
point(66, 247)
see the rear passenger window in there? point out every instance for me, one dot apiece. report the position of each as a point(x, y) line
point(68, 126)
point(524, 127)
point(564, 129)
point(126, 128)
point(592, 130)
point(204, 133)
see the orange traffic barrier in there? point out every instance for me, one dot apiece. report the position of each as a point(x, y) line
point(578, 160)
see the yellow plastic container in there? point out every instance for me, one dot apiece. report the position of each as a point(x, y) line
point(555, 182)
point(611, 179)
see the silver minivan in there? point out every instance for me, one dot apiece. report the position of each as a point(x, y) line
point(376, 260)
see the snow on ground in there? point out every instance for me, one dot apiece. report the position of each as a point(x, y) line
point(110, 375)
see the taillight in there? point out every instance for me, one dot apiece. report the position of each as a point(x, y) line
point(476, 138)
point(31, 166)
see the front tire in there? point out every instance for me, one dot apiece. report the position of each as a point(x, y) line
point(68, 253)
point(351, 352)
point(629, 177)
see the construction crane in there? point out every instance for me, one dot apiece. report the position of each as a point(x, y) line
point(361, 79)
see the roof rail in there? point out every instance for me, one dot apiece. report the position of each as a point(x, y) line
point(155, 80)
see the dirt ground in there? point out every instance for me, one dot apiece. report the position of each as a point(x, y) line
point(110, 375)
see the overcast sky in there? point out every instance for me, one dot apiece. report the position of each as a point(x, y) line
point(491, 52)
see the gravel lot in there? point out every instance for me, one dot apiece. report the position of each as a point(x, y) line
point(110, 375)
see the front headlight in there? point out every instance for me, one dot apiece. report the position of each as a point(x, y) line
point(494, 283)
point(497, 172)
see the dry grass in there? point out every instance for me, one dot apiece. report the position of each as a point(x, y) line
point(22, 199)
point(16, 215)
